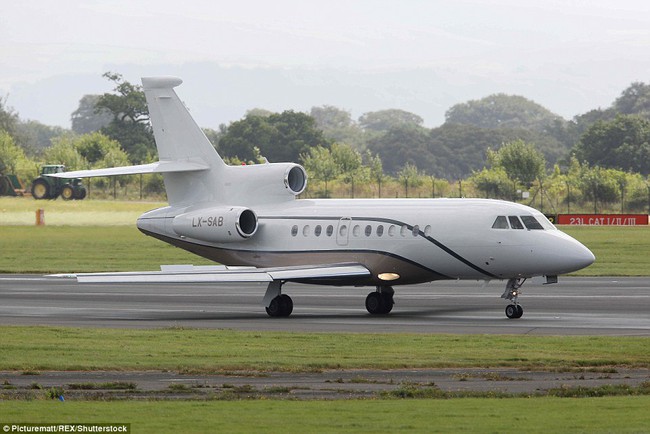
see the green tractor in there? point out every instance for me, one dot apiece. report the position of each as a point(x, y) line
point(48, 187)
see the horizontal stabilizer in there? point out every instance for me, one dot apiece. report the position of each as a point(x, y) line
point(215, 274)
point(157, 167)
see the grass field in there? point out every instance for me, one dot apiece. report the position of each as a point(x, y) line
point(530, 415)
point(619, 250)
point(206, 351)
point(20, 211)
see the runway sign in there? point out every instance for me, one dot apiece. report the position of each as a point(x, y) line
point(602, 219)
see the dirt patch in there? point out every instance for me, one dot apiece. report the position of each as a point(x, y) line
point(338, 384)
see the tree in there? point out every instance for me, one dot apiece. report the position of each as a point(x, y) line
point(130, 124)
point(214, 136)
point(279, 137)
point(338, 125)
point(410, 176)
point(503, 111)
point(493, 183)
point(87, 118)
point(597, 184)
point(384, 120)
point(521, 161)
point(10, 153)
point(319, 163)
point(349, 162)
point(64, 152)
point(623, 143)
point(93, 150)
point(635, 99)
point(8, 118)
point(13, 159)
point(374, 163)
point(100, 151)
point(36, 136)
point(401, 145)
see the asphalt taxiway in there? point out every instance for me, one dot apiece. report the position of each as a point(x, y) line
point(574, 306)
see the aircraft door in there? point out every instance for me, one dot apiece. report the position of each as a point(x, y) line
point(343, 231)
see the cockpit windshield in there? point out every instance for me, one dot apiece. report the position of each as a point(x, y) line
point(537, 222)
point(531, 222)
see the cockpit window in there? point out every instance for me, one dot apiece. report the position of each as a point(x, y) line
point(500, 223)
point(515, 223)
point(531, 222)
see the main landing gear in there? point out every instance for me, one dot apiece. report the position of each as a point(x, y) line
point(514, 310)
point(381, 301)
point(276, 303)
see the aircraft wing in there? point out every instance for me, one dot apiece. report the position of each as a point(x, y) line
point(157, 167)
point(223, 274)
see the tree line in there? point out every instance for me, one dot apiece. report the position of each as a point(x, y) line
point(499, 146)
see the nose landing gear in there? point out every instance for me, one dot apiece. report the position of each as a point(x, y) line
point(514, 310)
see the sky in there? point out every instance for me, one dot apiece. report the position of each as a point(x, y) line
point(360, 55)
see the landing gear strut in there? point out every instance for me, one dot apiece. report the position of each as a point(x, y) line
point(514, 310)
point(276, 303)
point(381, 301)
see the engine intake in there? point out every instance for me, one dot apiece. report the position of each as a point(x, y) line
point(218, 224)
point(295, 179)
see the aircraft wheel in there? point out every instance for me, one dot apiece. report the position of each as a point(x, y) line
point(388, 302)
point(282, 305)
point(520, 311)
point(514, 311)
point(378, 304)
point(286, 304)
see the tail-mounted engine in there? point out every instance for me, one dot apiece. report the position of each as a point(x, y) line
point(219, 224)
point(264, 183)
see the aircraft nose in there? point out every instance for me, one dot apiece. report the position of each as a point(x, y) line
point(575, 255)
point(584, 257)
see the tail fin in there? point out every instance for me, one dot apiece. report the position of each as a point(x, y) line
point(179, 138)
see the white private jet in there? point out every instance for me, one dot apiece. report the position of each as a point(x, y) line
point(248, 218)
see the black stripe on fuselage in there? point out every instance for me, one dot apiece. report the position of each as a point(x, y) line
point(180, 242)
point(393, 222)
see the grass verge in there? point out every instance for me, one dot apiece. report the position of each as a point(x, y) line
point(619, 250)
point(193, 350)
point(22, 212)
point(558, 415)
point(49, 249)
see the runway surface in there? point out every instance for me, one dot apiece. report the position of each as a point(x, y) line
point(574, 306)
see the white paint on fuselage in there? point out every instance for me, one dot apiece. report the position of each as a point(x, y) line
point(454, 237)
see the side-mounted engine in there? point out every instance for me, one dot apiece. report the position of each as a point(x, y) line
point(218, 224)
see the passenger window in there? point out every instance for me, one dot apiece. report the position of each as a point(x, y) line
point(515, 223)
point(294, 230)
point(380, 230)
point(343, 231)
point(403, 230)
point(317, 230)
point(427, 230)
point(500, 223)
point(531, 222)
point(368, 230)
point(391, 230)
point(330, 230)
point(305, 230)
point(416, 230)
point(356, 230)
